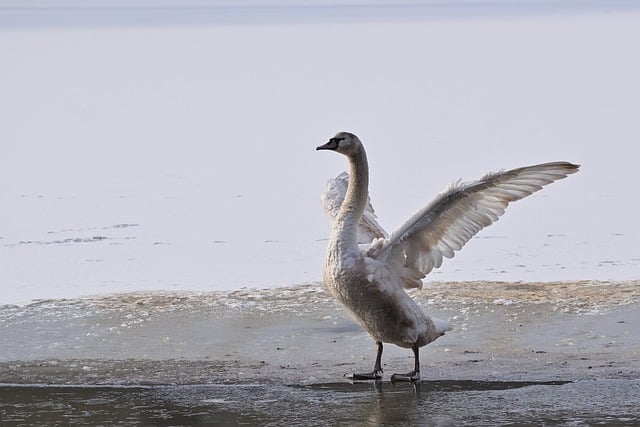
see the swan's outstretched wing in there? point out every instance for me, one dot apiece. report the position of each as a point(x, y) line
point(332, 199)
point(455, 216)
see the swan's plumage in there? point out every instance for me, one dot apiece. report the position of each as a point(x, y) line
point(447, 223)
point(370, 282)
point(332, 199)
point(457, 214)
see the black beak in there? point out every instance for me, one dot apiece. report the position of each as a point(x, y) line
point(331, 145)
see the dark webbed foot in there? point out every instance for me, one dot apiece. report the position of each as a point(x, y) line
point(377, 369)
point(409, 377)
point(375, 375)
point(413, 375)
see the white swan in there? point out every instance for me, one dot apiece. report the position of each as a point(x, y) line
point(370, 281)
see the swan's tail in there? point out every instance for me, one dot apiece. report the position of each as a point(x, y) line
point(442, 326)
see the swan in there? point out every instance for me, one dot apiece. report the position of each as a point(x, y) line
point(368, 270)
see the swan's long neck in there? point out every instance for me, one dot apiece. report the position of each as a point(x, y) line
point(345, 232)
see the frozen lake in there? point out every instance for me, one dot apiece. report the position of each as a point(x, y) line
point(162, 239)
point(169, 155)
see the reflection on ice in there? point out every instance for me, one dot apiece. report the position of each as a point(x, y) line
point(436, 403)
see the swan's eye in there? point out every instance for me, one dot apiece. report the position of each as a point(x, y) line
point(336, 140)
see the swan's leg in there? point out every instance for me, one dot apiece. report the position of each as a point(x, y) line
point(377, 368)
point(413, 375)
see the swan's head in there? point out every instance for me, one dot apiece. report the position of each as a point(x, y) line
point(344, 142)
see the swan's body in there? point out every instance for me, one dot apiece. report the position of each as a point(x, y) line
point(370, 281)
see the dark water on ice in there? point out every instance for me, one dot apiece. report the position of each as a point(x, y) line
point(424, 403)
point(521, 353)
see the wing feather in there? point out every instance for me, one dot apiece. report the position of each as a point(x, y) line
point(457, 214)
